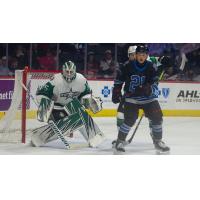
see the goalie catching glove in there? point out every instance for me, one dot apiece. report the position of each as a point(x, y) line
point(92, 103)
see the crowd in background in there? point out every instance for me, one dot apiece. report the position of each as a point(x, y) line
point(98, 60)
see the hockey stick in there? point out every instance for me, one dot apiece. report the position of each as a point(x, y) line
point(133, 134)
point(51, 122)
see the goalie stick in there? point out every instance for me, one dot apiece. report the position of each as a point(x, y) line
point(59, 133)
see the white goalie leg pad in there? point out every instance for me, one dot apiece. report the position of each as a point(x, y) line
point(92, 135)
point(96, 140)
point(42, 135)
point(77, 120)
point(66, 125)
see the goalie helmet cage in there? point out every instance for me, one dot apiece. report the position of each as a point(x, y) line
point(13, 126)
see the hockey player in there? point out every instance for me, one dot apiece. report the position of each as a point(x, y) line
point(120, 110)
point(131, 57)
point(140, 92)
point(63, 99)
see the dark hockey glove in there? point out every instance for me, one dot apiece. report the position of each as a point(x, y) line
point(116, 94)
point(144, 90)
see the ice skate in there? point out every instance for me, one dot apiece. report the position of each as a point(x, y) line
point(119, 146)
point(161, 147)
point(114, 143)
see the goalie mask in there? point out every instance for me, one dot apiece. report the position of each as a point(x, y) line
point(69, 71)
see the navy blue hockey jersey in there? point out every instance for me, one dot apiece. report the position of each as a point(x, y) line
point(134, 75)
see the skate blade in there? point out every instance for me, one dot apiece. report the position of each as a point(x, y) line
point(115, 152)
point(158, 152)
point(113, 146)
point(114, 143)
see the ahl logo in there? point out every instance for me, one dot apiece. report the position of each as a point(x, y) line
point(105, 91)
point(165, 92)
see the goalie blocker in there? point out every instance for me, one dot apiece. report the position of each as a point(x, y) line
point(69, 118)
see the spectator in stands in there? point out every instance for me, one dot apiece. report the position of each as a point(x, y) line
point(35, 56)
point(67, 52)
point(2, 49)
point(167, 64)
point(194, 58)
point(47, 62)
point(170, 74)
point(13, 65)
point(92, 65)
point(42, 49)
point(21, 56)
point(4, 70)
point(191, 66)
point(107, 65)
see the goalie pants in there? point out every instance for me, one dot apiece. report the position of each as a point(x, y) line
point(58, 114)
point(151, 110)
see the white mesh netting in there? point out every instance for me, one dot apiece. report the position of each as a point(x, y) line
point(10, 124)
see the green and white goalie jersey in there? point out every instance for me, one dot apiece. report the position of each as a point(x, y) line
point(59, 90)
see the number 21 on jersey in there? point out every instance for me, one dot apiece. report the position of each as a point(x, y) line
point(135, 82)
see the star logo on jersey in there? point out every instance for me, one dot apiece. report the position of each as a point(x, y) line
point(70, 94)
point(105, 91)
point(165, 92)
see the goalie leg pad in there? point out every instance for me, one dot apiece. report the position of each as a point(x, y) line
point(44, 134)
point(79, 120)
point(89, 130)
point(92, 133)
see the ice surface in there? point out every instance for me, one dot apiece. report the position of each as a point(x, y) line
point(182, 134)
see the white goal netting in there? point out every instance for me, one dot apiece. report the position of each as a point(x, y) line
point(16, 125)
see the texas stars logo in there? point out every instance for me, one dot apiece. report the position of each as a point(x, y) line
point(70, 94)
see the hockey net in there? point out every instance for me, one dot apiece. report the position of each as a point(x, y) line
point(16, 125)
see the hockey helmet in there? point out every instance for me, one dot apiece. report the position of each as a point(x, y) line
point(131, 49)
point(69, 71)
point(142, 49)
